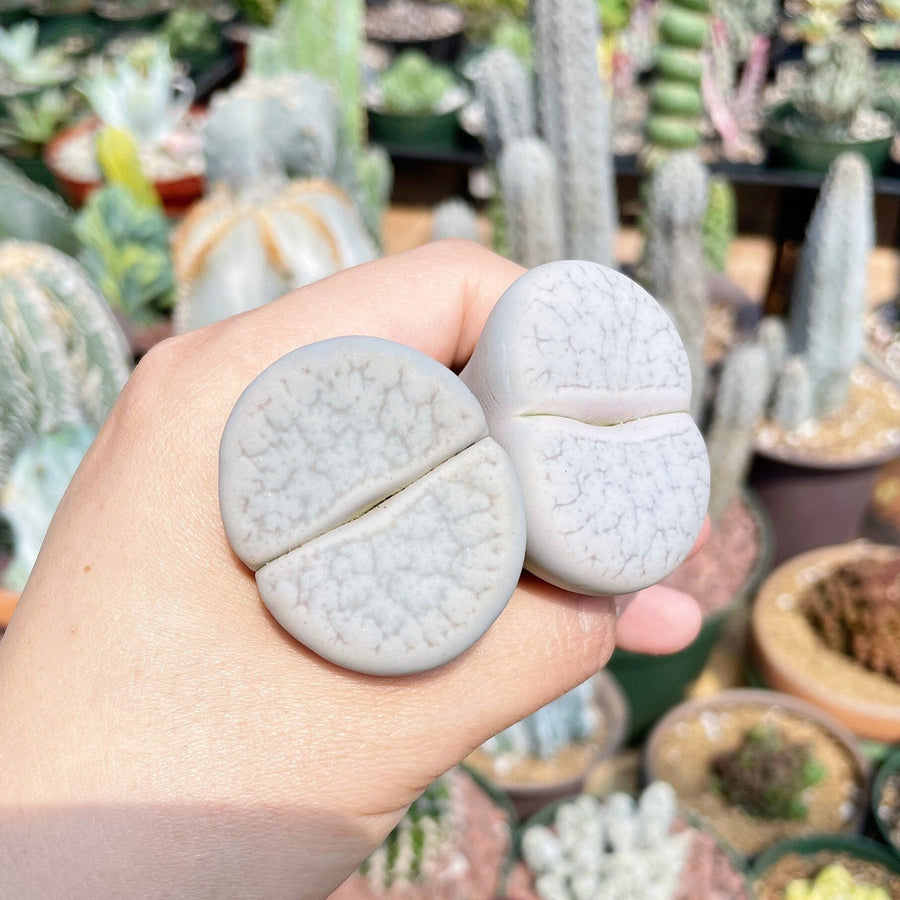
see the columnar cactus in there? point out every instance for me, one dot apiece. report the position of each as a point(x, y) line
point(719, 222)
point(64, 358)
point(570, 718)
point(675, 97)
point(529, 183)
point(771, 334)
point(504, 87)
point(674, 255)
point(613, 849)
point(828, 302)
point(454, 218)
point(738, 408)
point(574, 117)
point(794, 402)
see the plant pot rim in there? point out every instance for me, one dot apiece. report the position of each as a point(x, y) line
point(867, 718)
point(613, 705)
point(764, 699)
point(774, 122)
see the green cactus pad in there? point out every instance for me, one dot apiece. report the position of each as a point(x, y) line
point(672, 133)
point(676, 98)
point(680, 64)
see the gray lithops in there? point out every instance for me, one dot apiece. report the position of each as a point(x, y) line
point(586, 385)
point(386, 528)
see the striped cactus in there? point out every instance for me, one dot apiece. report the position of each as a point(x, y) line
point(63, 358)
point(575, 120)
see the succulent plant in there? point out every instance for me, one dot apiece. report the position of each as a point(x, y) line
point(832, 882)
point(29, 212)
point(414, 85)
point(264, 243)
point(828, 301)
point(23, 62)
point(37, 480)
point(533, 218)
point(675, 263)
point(454, 218)
point(855, 610)
point(503, 86)
point(34, 121)
point(719, 222)
point(570, 718)
point(141, 92)
point(421, 836)
point(837, 83)
point(192, 33)
point(609, 849)
point(794, 397)
point(676, 102)
point(766, 774)
point(574, 119)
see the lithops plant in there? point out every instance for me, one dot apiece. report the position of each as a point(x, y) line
point(385, 526)
point(615, 848)
point(585, 383)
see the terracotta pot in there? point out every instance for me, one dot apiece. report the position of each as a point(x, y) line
point(530, 796)
point(176, 194)
point(790, 657)
point(703, 727)
point(8, 601)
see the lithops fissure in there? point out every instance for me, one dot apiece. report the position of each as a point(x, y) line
point(386, 528)
point(586, 385)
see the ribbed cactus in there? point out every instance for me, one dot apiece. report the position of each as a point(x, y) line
point(529, 183)
point(570, 718)
point(675, 266)
point(285, 124)
point(738, 408)
point(454, 218)
point(64, 358)
point(574, 118)
point(421, 836)
point(503, 85)
point(719, 222)
point(794, 401)
point(838, 82)
point(828, 302)
point(615, 849)
point(676, 101)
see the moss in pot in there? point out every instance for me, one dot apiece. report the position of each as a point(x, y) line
point(686, 746)
point(416, 102)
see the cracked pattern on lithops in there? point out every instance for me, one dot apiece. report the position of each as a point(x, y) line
point(585, 383)
point(416, 580)
point(317, 441)
point(625, 500)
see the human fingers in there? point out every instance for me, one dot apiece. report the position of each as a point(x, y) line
point(659, 619)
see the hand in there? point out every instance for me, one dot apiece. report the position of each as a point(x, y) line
point(163, 737)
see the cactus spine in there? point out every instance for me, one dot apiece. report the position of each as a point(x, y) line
point(574, 117)
point(740, 405)
point(674, 257)
point(531, 202)
point(828, 302)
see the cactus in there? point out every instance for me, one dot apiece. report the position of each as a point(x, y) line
point(676, 102)
point(421, 836)
point(719, 222)
point(36, 483)
point(235, 252)
point(675, 267)
point(771, 335)
point(828, 301)
point(833, 882)
point(414, 85)
point(837, 83)
point(503, 86)
point(613, 849)
point(794, 401)
point(574, 117)
point(766, 775)
point(570, 718)
point(739, 406)
point(855, 612)
point(29, 212)
point(454, 218)
point(529, 184)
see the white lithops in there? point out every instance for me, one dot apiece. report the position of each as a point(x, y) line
point(385, 526)
point(586, 385)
